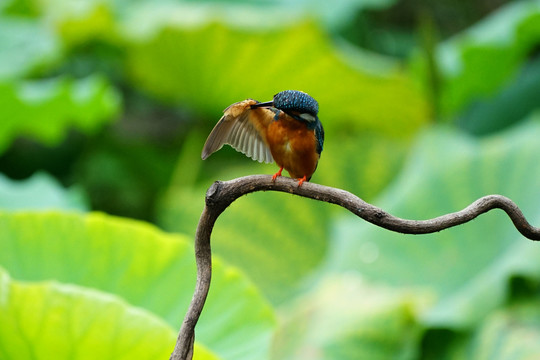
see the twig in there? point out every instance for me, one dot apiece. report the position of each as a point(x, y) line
point(221, 194)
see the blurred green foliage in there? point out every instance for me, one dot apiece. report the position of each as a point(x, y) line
point(106, 105)
point(149, 269)
point(452, 168)
point(37, 311)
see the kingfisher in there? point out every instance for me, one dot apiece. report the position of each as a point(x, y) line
point(286, 130)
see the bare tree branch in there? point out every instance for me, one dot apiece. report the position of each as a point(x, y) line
point(221, 194)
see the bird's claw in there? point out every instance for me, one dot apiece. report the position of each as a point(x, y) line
point(274, 177)
point(301, 181)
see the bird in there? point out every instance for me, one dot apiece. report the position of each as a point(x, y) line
point(286, 130)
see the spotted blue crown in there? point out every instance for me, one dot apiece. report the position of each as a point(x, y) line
point(293, 100)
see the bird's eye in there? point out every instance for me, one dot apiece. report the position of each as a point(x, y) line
point(307, 117)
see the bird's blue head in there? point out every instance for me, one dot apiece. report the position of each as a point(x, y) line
point(297, 104)
point(296, 101)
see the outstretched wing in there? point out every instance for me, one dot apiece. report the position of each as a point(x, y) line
point(242, 128)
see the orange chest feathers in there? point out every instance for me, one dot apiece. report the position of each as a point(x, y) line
point(293, 146)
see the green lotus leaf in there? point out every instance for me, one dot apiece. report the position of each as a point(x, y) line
point(511, 104)
point(207, 65)
point(344, 317)
point(467, 266)
point(26, 46)
point(44, 320)
point(40, 191)
point(45, 109)
point(146, 267)
point(512, 333)
point(82, 23)
point(479, 61)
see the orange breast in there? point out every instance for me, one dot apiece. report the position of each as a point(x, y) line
point(293, 146)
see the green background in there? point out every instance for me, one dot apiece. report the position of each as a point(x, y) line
point(427, 106)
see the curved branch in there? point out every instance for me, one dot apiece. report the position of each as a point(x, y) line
point(221, 194)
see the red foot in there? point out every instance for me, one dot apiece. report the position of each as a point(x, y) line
point(274, 177)
point(301, 181)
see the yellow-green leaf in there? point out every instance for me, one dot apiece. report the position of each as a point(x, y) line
point(49, 320)
point(146, 267)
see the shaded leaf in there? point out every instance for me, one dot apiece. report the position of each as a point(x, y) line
point(148, 268)
point(25, 47)
point(512, 333)
point(46, 109)
point(510, 105)
point(345, 317)
point(50, 320)
point(337, 13)
point(478, 62)
point(40, 191)
point(467, 266)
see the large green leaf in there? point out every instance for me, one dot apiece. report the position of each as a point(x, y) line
point(511, 104)
point(512, 333)
point(209, 64)
point(46, 109)
point(476, 63)
point(50, 320)
point(26, 46)
point(467, 266)
point(345, 317)
point(40, 191)
point(148, 268)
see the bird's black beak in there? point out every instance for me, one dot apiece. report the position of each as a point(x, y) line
point(263, 104)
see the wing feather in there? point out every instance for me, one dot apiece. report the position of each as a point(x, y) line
point(241, 127)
